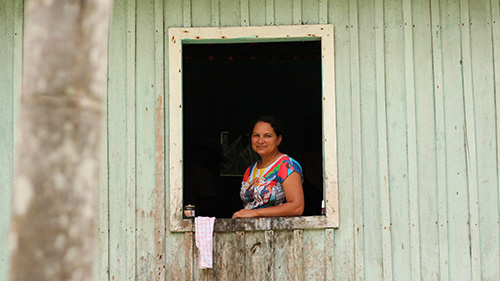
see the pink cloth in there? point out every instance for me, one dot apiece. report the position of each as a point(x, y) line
point(204, 230)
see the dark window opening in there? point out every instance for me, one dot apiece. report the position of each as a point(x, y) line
point(225, 87)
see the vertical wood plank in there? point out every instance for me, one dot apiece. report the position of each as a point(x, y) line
point(297, 11)
point(179, 251)
point(230, 258)
point(382, 140)
point(357, 161)
point(189, 245)
point(330, 262)
point(330, 174)
point(293, 269)
point(229, 13)
point(315, 265)
point(440, 140)
point(102, 260)
point(310, 12)
point(482, 70)
point(459, 255)
point(149, 158)
point(159, 210)
point(411, 132)
point(255, 253)
point(240, 255)
point(173, 17)
point(397, 140)
point(118, 150)
point(372, 262)
point(211, 273)
point(282, 243)
point(269, 12)
point(323, 11)
point(18, 62)
point(495, 18)
point(426, 139)
point(470, 141)
point(18, 66)
point(131, 141)
point(199, 14)
point(186, 13)
point(215, 8)
point(269, 254)
point(197, 272)
point(343, 249)
point(245, 14)
point(296, 257)
point(179, 264)
point(257, 12)
point(283, 12)
point(11, 15)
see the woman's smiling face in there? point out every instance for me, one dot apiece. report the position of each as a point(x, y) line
point(264, 140)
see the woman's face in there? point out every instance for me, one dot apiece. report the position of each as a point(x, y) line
point(264, 140)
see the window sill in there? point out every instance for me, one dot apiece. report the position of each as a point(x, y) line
point(251, 224)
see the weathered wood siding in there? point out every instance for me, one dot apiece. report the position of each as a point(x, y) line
point(11, 27)
point(418, 121)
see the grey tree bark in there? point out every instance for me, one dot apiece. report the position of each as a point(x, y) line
point(53, 230)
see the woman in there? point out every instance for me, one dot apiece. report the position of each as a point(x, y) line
point(271, 187)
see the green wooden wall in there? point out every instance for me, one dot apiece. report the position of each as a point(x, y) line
point(11, 26)
point(418, 125)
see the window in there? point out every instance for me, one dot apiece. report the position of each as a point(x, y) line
point(189, 51)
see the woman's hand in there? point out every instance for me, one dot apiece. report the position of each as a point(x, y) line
point(245, 213)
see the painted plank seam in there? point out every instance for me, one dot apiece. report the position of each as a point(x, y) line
point(131, 141)
point(297, 11)
point(215, 12)
point(470, 142)
point(382, 141)
point(329, 254)
point(159, 214)
point(495, 18)
point(186, 13)
point(240, 244)
point(17, 68)
point(18, 65)
point(343, 251)
point(244, 11)
point(270, 12)
point(357, 161)
point(440, 140)
point(117, 158)
point(102, 266)
point(411, 141)
point(179, 263)
point(189, 254)
point(298, 256)
point(323, 11)
point(269, 254)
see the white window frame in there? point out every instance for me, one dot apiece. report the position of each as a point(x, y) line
point(179, 36)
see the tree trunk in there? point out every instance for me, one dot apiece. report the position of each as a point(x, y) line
point(53, 230)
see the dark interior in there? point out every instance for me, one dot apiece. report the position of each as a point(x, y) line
point(225, 88)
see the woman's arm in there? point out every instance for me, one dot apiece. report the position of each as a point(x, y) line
point(294, 205)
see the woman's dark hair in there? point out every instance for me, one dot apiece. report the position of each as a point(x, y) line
point(271, 120)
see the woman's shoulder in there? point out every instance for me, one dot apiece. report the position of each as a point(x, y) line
point(248, 171)
point(291, 163)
